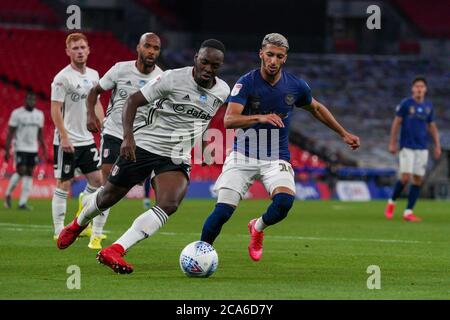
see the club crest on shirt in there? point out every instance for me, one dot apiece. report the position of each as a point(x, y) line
point(203, 98)
point(289, 99)
point(141, 83)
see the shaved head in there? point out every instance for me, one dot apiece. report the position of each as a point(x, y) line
point(149, 36)
point(148, 50)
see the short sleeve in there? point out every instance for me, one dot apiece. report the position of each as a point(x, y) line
point(157, 88)
point(59, 89)
point(401, 110)
point(304, 97)
point(239, 93)
point(13, 120)
point(109, 79)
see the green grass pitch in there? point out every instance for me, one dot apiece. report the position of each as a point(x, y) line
point(321, 251)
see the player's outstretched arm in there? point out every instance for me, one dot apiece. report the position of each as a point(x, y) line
point(235, 119)
point(94, 116)
point(432, 127)
point(11, 133)
point(394, 132)
point(127, 149)
point(320, 112)
point(58, 120)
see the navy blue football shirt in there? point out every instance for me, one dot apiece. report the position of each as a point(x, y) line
point(262, 140)
point(416, 117)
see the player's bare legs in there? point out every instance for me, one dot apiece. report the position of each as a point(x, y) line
point(282, 201)
point(170, 189)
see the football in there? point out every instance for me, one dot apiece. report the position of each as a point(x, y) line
point(199, 259)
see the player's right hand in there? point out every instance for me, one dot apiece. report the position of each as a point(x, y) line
point(127, 149)
point(67, 146)
point(393, 148)
point(272, 119)
point(93, 123)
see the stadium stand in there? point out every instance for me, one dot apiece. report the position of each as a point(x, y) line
point(27, 12)
point(432, 22)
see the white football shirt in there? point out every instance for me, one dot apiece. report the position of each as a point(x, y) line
point(27, 124)
point(125, 79)
point(71, 88)
point(181, 115)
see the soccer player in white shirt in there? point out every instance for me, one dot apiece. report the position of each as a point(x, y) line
point(74, 145)
point(25, 126)
point(188, 98)
point(124, 78)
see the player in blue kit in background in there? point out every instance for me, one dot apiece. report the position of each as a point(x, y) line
point(260, 107)
point(415, 116)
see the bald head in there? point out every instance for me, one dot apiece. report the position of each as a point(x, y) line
point(148, 51)
point(149, 36)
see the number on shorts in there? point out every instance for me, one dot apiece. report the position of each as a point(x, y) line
point(96, 157)
point(286, 167)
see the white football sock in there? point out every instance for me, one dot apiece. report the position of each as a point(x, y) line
point(90, 210)
point(144, 226)
point(407, 212)
point(98, 222)
point(27, 186)
point(390, 201)
point(87, 193)
point(13, 181)
point(259, 225)
point(59, 206)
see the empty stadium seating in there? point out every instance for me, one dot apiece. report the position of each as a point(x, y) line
point(33, 57)
point(431, 18)
point(27, 12)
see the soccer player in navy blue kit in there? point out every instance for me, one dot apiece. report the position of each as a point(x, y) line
point(415, 116)
point(260, 107)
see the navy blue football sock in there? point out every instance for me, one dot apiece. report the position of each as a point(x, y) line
point(398, 188)
point(278, 210)
point(414, 193)
point(213, 224)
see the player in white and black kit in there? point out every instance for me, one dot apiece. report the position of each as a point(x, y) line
point(188, 98)
point(25, 127)
point(124, 78)
point(74, 145)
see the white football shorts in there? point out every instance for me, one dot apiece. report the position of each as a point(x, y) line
point(413, 161)
point(239, 172)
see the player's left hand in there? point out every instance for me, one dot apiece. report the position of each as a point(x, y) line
point(437, 152)
point(351, 140)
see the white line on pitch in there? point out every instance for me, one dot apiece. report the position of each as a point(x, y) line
point(315, 238)
point(20, 227)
